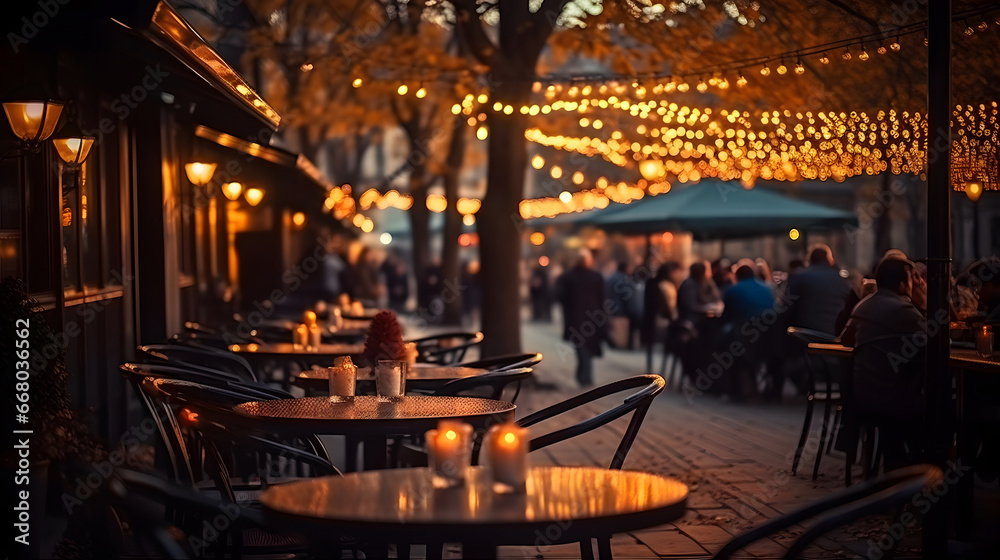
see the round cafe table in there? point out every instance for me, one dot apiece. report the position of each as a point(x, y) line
point(560, 505)
point(420, 377)
point(372, 419)
point(287, 350)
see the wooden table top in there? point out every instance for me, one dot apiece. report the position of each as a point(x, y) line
point(372, 415)
point(403, 503)
point(959, 357)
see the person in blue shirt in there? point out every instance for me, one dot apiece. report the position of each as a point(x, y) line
point(748, 310)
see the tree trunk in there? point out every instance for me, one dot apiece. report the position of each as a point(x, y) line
point(419, 231)
point(450, 266)
point(883, 231)
point(500, 224)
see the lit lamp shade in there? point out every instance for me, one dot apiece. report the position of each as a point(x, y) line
point(651, 169)
point(973, 190)
point(232, 190)
point(254, 196)
point(33, 121)
point(199, 173)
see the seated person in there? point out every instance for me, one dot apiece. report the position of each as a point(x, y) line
point(745, 321)
point(889, 337)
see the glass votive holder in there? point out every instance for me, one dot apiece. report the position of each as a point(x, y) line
point(390, 378)
point(984, 341)
point(343, 380)
point(506, 448)
point(449, 452)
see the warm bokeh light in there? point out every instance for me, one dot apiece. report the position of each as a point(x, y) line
point(651, 169)
point(254, 195)
point(667, 237)
point(421, 93)
point(233, 190)
point(793, 234)
point(402, 89)
point(566, 197)
point(538, 162)
point(368, 225)
point(357, 82)
point(537, 238)
point(543, 261)
point(450, 434)
point(482, 133)
point(556, 172)
point(385, 238)
point(469, 219)
point(437, 203)
point(973, 190)
point(299, 219)
point(199, 173)
point(578, 177)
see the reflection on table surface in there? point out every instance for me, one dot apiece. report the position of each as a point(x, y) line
point(408, 495)
point(289, 348)
point(416, 371)
point(366, 407)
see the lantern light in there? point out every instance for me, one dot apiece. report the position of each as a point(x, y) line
point(33, 121)
point(973, 190)
point(254, 195)
point(72, 145)
point(232, 190)
point(199, 173)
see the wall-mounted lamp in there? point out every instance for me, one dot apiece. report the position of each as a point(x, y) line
point(33, 121)
point(254, 196)
point(199, 173)
point(973, 190)
point(72, 145)
point(232, 191)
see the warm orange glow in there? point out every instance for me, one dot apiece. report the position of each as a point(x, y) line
point(973, 190)
point(667, 237)
point(538, 162)
point(199, 173)
point(309, 318)
point(232, 190)
point(33, 121)
point(73, 151)
point(793, 234)
point(543, 261)
point(437, 202)
point(509, 438)
point(299, 219)
point(189, 416)
point(652, 169)
point(254, 196)
point(537, 238)
point(450, 434)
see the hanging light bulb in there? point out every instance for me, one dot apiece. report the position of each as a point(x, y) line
point(683, 86)
point(724, 83)
point(765, 71)
point(864, 54)
point(894, 45)
point(356, 83)
point(847, 53)
point(742, 81)
point(702, 86)
point(782, 69)
point(402, 89)
point(824, 59)
point(983, 26)
point(254, 195)
point(233, 190)
point(199, 173)
point(33, 121)
point(421, 93)
point(881, 49)
point(968, 31)
point(799, 68)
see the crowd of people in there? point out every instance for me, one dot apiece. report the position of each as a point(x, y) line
point(727, 325)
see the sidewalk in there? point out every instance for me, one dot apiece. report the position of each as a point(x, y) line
point(736, 459)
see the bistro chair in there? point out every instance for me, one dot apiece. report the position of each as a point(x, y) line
point(490, 385)
point(223, 360)
point(817, 389)
point(890, 490)
point(649, 385)
point(446, 348)
point(509, 361)
point(243, 534)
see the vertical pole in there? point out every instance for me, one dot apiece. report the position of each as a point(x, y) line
point(937, 380)
point(975, 230)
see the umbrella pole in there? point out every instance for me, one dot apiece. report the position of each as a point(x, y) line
point(940, 422)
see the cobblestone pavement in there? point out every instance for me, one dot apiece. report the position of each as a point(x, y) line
point(736, 459)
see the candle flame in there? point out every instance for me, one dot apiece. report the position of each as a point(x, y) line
point(450, 434)
point(509, 437)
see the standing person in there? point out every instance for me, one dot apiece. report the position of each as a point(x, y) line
point(581, 293)
point(623, 296)
point(817, 293)
point(397, 282)
point(365, 280)
point(541, 295)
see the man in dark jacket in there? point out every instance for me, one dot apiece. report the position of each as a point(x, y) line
point(889, 336)
point(581, 293)
point(817, 293)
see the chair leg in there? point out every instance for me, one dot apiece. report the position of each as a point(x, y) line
point(824, 428)
point(835, 431)
point(604, 548)
point(805, 434)
point(586, 550)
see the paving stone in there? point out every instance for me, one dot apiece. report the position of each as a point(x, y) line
point(711, 537)
point(671, 544)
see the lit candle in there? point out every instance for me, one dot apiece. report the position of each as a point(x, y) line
point(300, 337)
point(309, 318)
point(342, 380)
point(449, 452)
point(337, 320)
point(357, 309)
point(507, 449)
point(410, 349)
point(315, 336)
point(984, 341)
